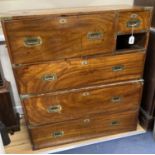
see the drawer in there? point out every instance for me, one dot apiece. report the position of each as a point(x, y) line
point(52, 108)
point(52, 37)
point(139, 20)
point(82, 129)
point(77, 73)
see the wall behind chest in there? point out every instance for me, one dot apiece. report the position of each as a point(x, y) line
point(7, 5)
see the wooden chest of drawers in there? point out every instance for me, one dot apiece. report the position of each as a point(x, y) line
point(77, 75)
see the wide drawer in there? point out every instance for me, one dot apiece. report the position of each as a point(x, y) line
point(86, 128)
point(52, 108)
point(51, 37)
point(77, 73)
point(139, 21)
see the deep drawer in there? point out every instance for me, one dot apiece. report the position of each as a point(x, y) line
point(77, 73)
point(140, 21)
point(51, 37)
point(86, 128)
point(52, 108)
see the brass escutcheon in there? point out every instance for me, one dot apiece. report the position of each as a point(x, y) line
point(62, 20)
point(85, 94)
point(84, 62)
point(86, 120)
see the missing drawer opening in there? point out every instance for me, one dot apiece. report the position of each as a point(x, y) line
point(123, 42)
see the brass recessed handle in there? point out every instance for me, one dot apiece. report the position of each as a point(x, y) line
point(115, 123)
point(133, 23)
point(116, 99)
point(32, 41)
point(95, 35)
point(118, 68)
point(58, 134)
point(49, 77)
point(54, 109)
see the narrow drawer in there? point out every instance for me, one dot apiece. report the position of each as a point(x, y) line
point(140, 21)
point(77, 73)
point(82, 129)
point(52, 108)
point(51, 37)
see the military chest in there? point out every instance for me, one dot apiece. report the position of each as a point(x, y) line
point(78, 74)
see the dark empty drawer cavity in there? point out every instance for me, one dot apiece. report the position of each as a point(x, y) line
point(123, 42)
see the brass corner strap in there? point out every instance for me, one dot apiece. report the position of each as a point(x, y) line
point(26, 96)
point(6, 18)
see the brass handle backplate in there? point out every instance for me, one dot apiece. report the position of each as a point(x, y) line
point(57, 134)
point(116, 99)
point(32, 41)
point(133, 23)
point(54, 109)
point(49, 77)
point(95, 35)
point(118, 68)
point(115, 123)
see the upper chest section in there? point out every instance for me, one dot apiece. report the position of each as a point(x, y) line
point(47, 37)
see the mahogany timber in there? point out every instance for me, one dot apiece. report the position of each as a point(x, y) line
point(74, 105)
point(71, 65)
point(77, 73)
point(143, 16)
point(84, 128)
point(61, 37)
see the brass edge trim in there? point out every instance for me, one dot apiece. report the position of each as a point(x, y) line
point(148, 8)
point(17, 65)
point(22, 97)
point(25, 96)
point(136, 32)
point(6, 18)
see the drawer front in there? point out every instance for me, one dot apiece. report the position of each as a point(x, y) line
point(49, 37)
point(89, 127)
point(77, 73)
point(57, 108)
point(140, 21)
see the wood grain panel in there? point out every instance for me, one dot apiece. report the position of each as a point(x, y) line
point(86, 128)
point(142, 17)
point(78, 104)
point(60, 37)
point(77, 73)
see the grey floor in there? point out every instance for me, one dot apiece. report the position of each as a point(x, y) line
point(142, 144)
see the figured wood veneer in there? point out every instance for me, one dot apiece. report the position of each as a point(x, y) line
point(61, 37)
point(76, 78)
point(80, 103)
point(74, 74)
point(98, 125)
